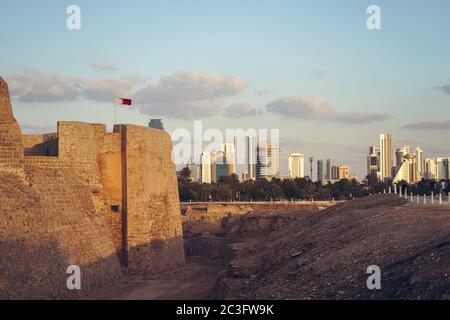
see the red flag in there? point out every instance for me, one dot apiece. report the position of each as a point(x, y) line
point(124, 102)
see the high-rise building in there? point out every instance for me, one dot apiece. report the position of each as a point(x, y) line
point(229, 153)
point(296, 165)
point(373, 161)
point(324, 170)
point(420, 161)
point(340, 172)
point(276, 157)
point(442, 168)
point(430, 168)
point(385, 155)
point(335, 173)
point(267, 162)
point(344, 172)
point(407, 171)
point(251, 157)
point(206, 167)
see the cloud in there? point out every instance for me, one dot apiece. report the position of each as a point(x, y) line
point(188, 94)
point(36, 87)
point(33, 87)
point(428, 125)
point(104, 90)
point(301, 107)
point(317, 108)
point(104, 66)
point(240, 110)
point(361, 117)
point(445, 89)
point(182, 95)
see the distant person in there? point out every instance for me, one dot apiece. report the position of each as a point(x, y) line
point(432, 186)
point(444, 186)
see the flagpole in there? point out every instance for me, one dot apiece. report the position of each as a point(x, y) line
point(115, 112)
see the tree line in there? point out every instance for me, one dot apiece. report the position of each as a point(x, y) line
point(231, 189)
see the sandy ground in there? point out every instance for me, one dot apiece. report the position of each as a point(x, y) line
point(193, 281)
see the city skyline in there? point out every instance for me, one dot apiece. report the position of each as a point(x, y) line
point(318, 84)
point(262, 161)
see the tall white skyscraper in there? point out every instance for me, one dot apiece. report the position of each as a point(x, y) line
point(251, 157)
point(385, 155)
point(296, 164)
point(420, 162)
point(206, 167)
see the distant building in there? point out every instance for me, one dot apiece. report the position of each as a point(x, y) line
point(251, 146)
point(442, 168)
point(385, 155)
point(420, 161)
point(430, 168)
point(229, 157)
point(340, 172)
point(399, 154)
point(156, 124)
point(324, 170)
point(296, 165)
point(222, 167)
point(206, 167)
point(344, 172)
point(195, 172)
point(268, 162)
point(373, 161)
point(335, 173)
point(407, 171)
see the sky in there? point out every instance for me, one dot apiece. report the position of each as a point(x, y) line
point(309, 68)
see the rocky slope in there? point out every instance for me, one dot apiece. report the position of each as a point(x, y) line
point(325, 255)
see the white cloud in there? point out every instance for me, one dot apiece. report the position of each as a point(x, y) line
point(33, 87)
point(240, 110)
point(188, 94)
point(318, 108)
point(428, 125)
point(37, 87)
point(182, 95)
point(301, 107)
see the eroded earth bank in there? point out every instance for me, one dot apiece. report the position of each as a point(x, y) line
point(234, 252)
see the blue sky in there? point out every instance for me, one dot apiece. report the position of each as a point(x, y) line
point(192, 60)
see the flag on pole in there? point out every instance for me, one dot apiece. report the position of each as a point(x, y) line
point(123, 102)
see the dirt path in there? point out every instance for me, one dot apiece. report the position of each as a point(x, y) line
point(194, 281)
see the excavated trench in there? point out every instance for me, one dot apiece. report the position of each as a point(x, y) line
point(220, 240)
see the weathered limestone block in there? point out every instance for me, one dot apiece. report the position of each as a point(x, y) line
point(11, 148)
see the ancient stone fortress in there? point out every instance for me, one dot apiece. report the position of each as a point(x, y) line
point(107, 202)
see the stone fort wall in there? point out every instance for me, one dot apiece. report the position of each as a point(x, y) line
point(95, 199)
